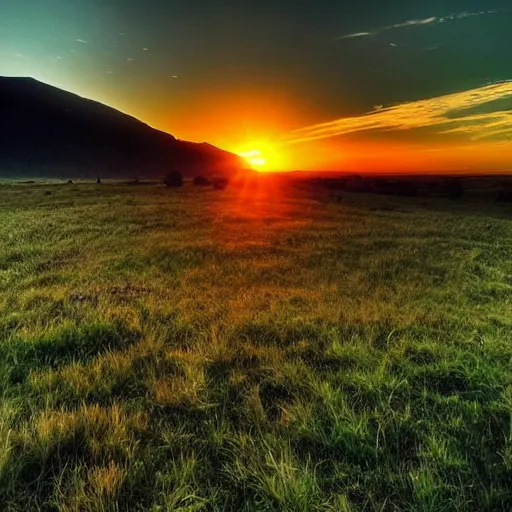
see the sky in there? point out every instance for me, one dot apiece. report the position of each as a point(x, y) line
point(372, 85)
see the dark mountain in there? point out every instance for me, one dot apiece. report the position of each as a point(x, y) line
point(45, 131)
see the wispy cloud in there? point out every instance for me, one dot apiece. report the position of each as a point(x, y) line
point(411, 23)
point(452, 113)
point(462, 15)
point(420, 22)
point(357, 34)
point(82, 41)
point(484, 126)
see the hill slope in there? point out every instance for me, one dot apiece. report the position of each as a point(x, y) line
point(47, 131)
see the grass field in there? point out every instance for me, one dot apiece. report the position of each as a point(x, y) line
point(186, 350)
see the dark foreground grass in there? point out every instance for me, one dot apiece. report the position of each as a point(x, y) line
point(185, 350)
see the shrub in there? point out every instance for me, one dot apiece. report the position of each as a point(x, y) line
point(220, 183)
point(174, 179)
point(201, 181)
point(455, 189)
point(504, 195)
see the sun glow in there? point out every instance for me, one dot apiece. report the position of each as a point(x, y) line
point(254, 157)
point(263, 156)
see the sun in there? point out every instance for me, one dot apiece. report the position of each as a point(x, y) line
point(263, 155)
point(255, 158)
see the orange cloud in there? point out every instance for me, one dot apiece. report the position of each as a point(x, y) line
point(445, 112)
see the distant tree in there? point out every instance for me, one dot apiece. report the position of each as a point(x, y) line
point(405, 188)
point(98, 181)
point(357, 183)
point(174, 179)
point(455, 189)
point(201, 181)
point(220, 183)
point(70, 182)
point(504, 195)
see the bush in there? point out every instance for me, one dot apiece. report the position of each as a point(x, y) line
point(201, 181)
point(220, 183)
point(455, 189)
point(174, 179)
point(504, 195)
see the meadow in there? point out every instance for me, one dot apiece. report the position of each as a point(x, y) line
point(268, 349)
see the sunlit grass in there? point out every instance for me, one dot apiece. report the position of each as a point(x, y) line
point(252, 349)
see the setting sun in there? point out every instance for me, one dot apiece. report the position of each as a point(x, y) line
point(266, 158)
point(254, 157)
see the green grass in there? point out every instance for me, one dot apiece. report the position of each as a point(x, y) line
point(186, 350)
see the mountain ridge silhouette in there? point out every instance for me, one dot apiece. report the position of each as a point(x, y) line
point(47, 131)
